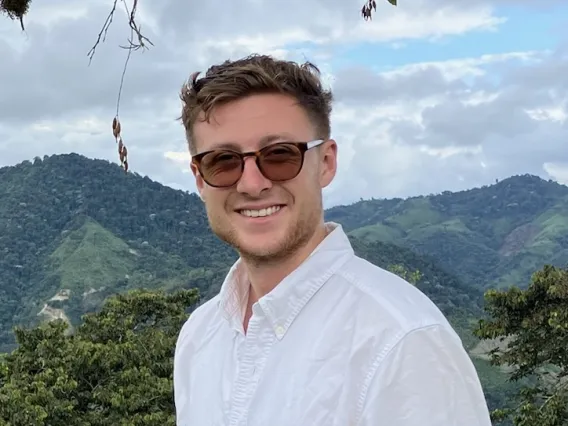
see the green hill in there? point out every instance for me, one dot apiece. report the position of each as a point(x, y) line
point(74, 231)
point(495, 236)
point(82, 227)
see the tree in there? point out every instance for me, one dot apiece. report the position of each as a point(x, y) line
point(115, 369)
point(411, 277)
point(530, 328)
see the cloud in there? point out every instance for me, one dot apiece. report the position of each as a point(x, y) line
point(362, 85)
point(418, 109)
point(318, 21)
point(470, 134)
point(50, 77)
point(542, 4)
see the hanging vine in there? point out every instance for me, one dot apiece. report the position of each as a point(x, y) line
point(141, 42)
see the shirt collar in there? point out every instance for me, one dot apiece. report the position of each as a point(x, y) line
point(283, 304)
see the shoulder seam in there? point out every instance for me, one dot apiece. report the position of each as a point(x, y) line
point(353, 279)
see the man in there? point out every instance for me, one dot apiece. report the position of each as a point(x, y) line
point(303, 332)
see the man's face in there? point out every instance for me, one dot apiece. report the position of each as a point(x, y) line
point(245, 124)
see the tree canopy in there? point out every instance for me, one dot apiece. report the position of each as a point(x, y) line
point(115, 369)
point(530, 329)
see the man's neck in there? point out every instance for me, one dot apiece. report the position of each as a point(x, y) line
point(266, 276)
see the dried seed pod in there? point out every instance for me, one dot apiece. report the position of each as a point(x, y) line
point(122, 152)
point(115, 127)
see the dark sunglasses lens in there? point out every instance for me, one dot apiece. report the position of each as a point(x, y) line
point(221, 168)
point(281, 162)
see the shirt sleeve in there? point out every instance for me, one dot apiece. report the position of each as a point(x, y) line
point(427, 379)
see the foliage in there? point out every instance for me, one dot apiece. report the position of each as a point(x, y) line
point(116, 369)
point(15, 9)
point(530, 328)
point(413, 277)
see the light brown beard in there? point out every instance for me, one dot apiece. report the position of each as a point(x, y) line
point(301, 233)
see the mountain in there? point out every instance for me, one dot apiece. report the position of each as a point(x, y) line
point(494, 236)
point(78, 229)
point(74, 230)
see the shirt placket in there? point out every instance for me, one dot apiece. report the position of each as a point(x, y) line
point(251, 359)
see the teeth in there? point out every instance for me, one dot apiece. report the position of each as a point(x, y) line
point(260, 213)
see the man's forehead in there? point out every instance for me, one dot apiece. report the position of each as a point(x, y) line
point(251, 123)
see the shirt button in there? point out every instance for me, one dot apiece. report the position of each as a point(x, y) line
point(279, 331)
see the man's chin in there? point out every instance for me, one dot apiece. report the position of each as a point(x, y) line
point(269, 246)
point(260, 249)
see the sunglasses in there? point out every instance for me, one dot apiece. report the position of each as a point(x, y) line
point(282, 161)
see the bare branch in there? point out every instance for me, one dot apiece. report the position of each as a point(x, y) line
point(103, 32)
point(135, 28)
point(142, 42)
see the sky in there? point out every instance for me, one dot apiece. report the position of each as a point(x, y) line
point(430, 96)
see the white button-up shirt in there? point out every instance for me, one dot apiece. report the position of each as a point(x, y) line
point(339, 342)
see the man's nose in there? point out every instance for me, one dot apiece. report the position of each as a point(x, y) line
point(252, 181)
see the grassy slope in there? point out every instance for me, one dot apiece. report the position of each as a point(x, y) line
point(549, 243)
point(92, 257)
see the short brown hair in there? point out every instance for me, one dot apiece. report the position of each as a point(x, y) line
point(255, 74)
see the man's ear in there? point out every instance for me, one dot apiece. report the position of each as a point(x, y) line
point(328, 162)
